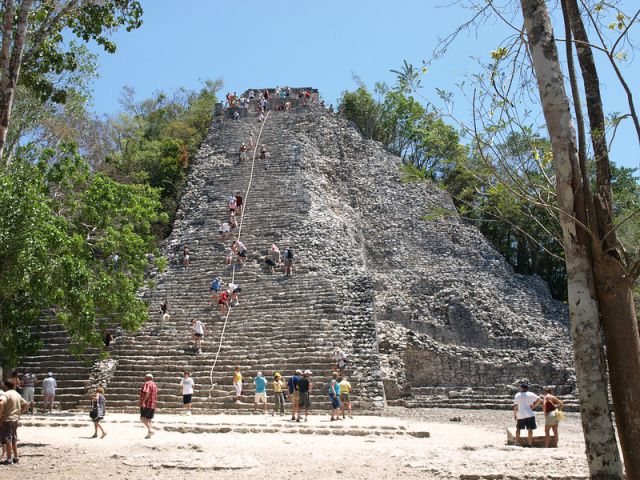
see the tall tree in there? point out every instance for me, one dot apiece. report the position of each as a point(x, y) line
point(585, 252)
point(33, 43)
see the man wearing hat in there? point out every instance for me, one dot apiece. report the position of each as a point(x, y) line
point(278, 392)
point(261, 392)
point(524, 404)
point(49, 386)
point(147, 403)
point(304, 387)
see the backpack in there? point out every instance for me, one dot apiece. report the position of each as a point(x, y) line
point(289, 254)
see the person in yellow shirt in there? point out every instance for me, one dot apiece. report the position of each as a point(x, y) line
point(345, 396)
point(237, 384)
point(278, 390)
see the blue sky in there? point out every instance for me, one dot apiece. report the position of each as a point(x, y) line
point(253, 43)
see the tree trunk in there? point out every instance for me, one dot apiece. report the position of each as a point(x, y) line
point(11, 68)
point(602, 450)
point(614, 290)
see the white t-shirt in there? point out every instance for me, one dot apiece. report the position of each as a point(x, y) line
point(241, 247)
point(232, 287)
point(187, 385)
point(524, 400)
point(224, 228)
point(49, 386)
point(198, 327)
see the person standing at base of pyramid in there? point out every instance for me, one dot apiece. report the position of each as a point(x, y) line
point(261, 392)
point(524, 404)
point(295, 395)
point(237, 384)
point(278, 393)
point(334, 396)
point(345, 396)
point(147, 403)
point(186, 390)
point(304, 387)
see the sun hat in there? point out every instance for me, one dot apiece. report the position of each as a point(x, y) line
point(148, 375)
point(277, 375)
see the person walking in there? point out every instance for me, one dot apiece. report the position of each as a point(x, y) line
point(294, 393)
point(234, 289)
point(304, 387)
point(223, 301)
point(147, 403)
point(12, 405)
point(278, 392)
point(186, 390)
point(334, 396)
point(239, 203)
point(98, 410)
point(261, 392)
point(524, 404)
point(340, 359)
point(29, 388)
point(551, 405)
point(237, 384)
point(214, 289)
point(345, 396)
point(49, 386)
point(198, 334)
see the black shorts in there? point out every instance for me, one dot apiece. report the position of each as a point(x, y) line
point(528, 423)
point(8, 432)
point(270, 262)
point(186, 399)
point(243, 253)
point(199, 335)
point(237, 290)
point(147, 413)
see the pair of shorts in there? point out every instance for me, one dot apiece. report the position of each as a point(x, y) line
point(98, 419)
point(529, 423)
point(335, 401)
point(243, 253)
point(295, 399)
point(199, 335)
point(345, 398)
point(550, 419)
point(238, 387)
point(304, 400)
point(260, 397)
point(270, 262)
point(186, 399)
point(147, 413)
point(28, 394)
point(8, 432)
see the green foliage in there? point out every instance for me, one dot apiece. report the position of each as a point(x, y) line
point(49, 51)
point(404, 126)
point(60, 226)
point(155, 138)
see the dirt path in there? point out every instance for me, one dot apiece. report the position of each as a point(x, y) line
point(364, 448)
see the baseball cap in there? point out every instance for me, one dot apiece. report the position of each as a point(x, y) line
point(299, 371)
point(148, 375)
point(308, 372)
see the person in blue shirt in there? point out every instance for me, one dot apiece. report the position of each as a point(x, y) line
point(261, 392)
point(295, 395)
point(334, 396)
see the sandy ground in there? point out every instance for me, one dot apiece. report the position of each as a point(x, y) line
point(472, 449)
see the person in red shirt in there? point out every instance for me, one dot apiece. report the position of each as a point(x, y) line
point(148, 399)
point(223, 301)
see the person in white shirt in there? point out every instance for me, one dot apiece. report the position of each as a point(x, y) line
point(49, 386)
point(234, 290)
point(186, 389)
point(524, 404)
point(198, 334)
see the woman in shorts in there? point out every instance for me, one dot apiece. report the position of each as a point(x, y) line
point(98, 407)
point(551, 404)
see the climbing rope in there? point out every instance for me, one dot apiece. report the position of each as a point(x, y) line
point(233, 271)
